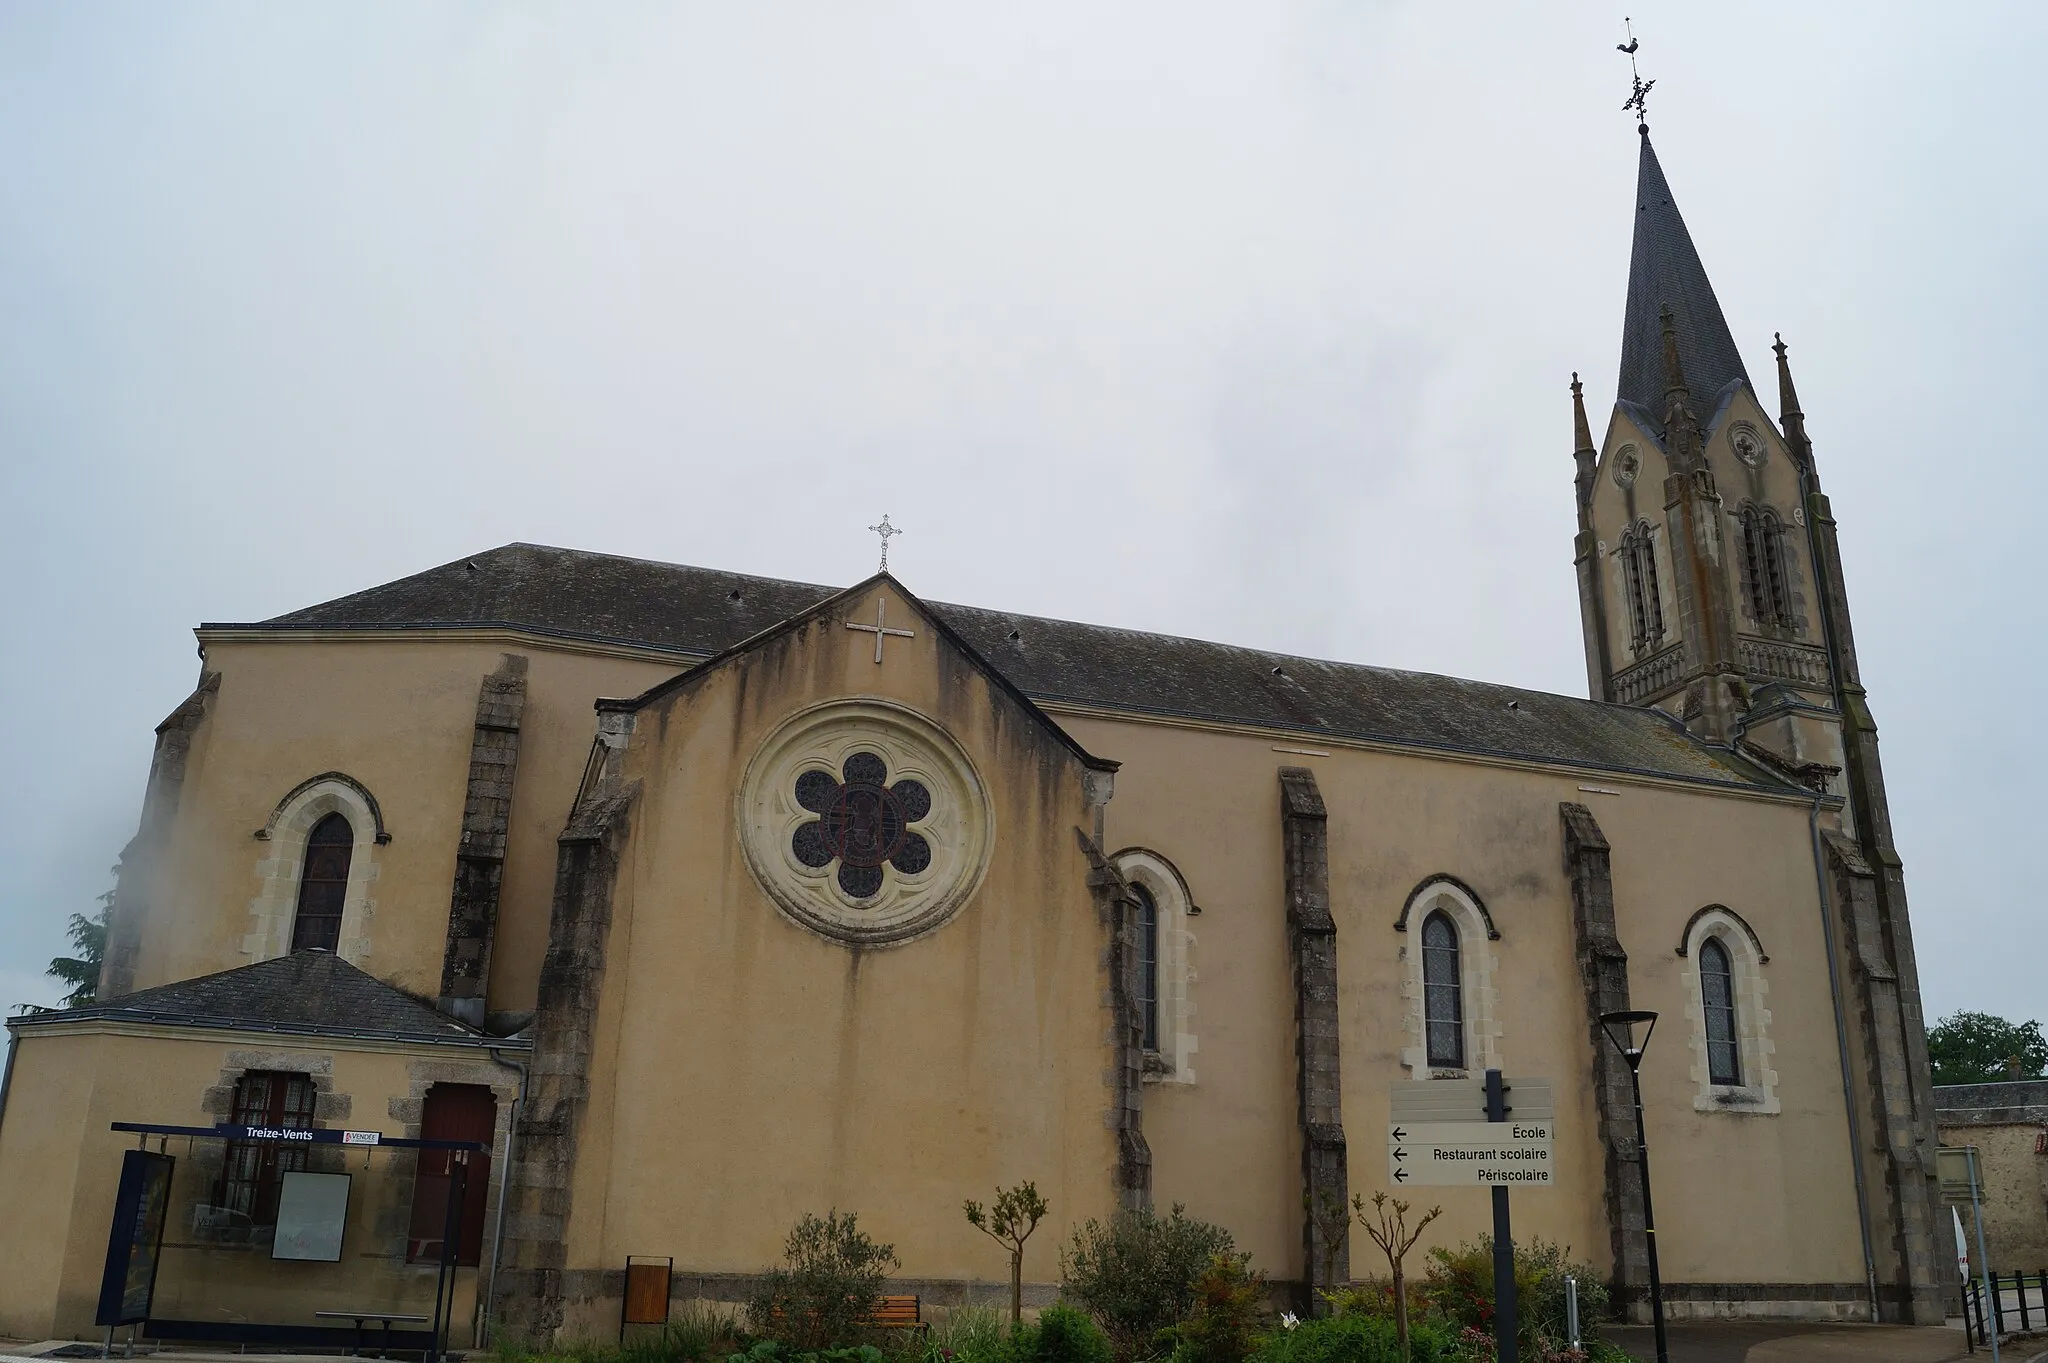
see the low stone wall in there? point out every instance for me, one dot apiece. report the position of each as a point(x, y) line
point(1762, 1301)
point(2007, 1123)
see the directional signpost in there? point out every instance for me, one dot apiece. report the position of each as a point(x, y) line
point(1467, 1133)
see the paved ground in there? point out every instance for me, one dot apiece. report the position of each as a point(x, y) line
point(1749, 1342)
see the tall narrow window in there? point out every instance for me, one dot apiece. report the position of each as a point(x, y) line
point(323, 885)
point(1773, 534)
point(1753, 566)
point(1148, 964)
point(250, 1175)
point(1717, 994)
point(452, 1112)
point(1443, 992)
point(1639, 573)
point(1763, 561)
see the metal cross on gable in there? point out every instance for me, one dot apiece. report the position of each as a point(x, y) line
point(885, 530)
point(880, 628)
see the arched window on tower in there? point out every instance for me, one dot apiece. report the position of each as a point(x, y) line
point(1717, 997)
point(1148, 964)
point(1443, 992)
point(1639, 573)
point(1763, 558)
point(323, 884)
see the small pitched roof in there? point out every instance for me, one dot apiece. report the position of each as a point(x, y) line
point(307, 991)
point(1665, 269)
point(696, 613)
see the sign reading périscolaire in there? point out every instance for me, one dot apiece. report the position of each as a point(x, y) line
point(1438, 1135)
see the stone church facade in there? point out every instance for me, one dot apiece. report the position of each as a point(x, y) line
point(708, 900)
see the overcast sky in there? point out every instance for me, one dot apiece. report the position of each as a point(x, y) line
point(1250, 321)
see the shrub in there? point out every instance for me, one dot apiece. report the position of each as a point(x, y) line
point(770, 1351)
point(1135, 1273)
point(966, 1334)
point(831, 1278)
point(1374, 1297)
point(1060, 1335)
point(699, 1332)
point(1229, 1308)
point(1460, 1285)
point(1360, 1339)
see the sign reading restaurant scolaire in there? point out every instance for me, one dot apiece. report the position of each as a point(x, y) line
point(1438, 1135)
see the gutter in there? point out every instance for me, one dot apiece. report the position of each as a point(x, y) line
point(1056, 703)
point(489, 1304)
point(230, 1024)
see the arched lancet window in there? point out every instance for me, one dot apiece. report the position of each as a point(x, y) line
point(1163, 915)
point(1763, 558)
point(323, 884)
point(1639, 573)
point(1443, 992)
point(1148, 964)
point(1717, 998)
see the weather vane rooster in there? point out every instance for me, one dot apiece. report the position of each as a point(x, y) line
point(1638, 98)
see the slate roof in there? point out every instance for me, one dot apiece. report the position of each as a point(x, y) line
point(696, 612)
point(306, 992)
point(1664, 268)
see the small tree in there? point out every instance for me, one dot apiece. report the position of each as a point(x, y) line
point(1016, 1213)
point(830, 1280)
point(1391, 1232)
point(89, 940)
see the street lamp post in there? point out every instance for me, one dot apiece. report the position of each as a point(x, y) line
point(1620, 1029)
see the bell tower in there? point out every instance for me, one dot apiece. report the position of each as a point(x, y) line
point(1711, 587)
point(1695, 588)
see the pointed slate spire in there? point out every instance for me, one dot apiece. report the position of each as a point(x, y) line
point(1664, 270)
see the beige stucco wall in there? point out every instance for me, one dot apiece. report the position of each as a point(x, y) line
point(398, 717)
point(748, 1070)
point(60, 1165)
point(1742, 1198)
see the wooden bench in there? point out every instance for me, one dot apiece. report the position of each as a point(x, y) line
point(897, 1313)
point(890, 1313)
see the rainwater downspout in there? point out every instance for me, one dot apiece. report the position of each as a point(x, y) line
point(490, 1305)
point(1827, 929)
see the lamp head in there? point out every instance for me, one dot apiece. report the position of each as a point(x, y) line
point(1622, 1030)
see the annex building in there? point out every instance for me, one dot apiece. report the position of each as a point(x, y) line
point(706, 901)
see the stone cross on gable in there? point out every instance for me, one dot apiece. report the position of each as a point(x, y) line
point(880, 628)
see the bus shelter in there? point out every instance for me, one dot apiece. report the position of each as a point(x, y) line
point(355, 1219)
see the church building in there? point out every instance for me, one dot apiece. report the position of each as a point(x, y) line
point(705, 901)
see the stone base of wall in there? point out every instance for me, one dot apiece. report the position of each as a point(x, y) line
point(594, 1297)
point(1758, 1301)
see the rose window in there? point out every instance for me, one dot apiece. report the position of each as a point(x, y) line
point(863, 824)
